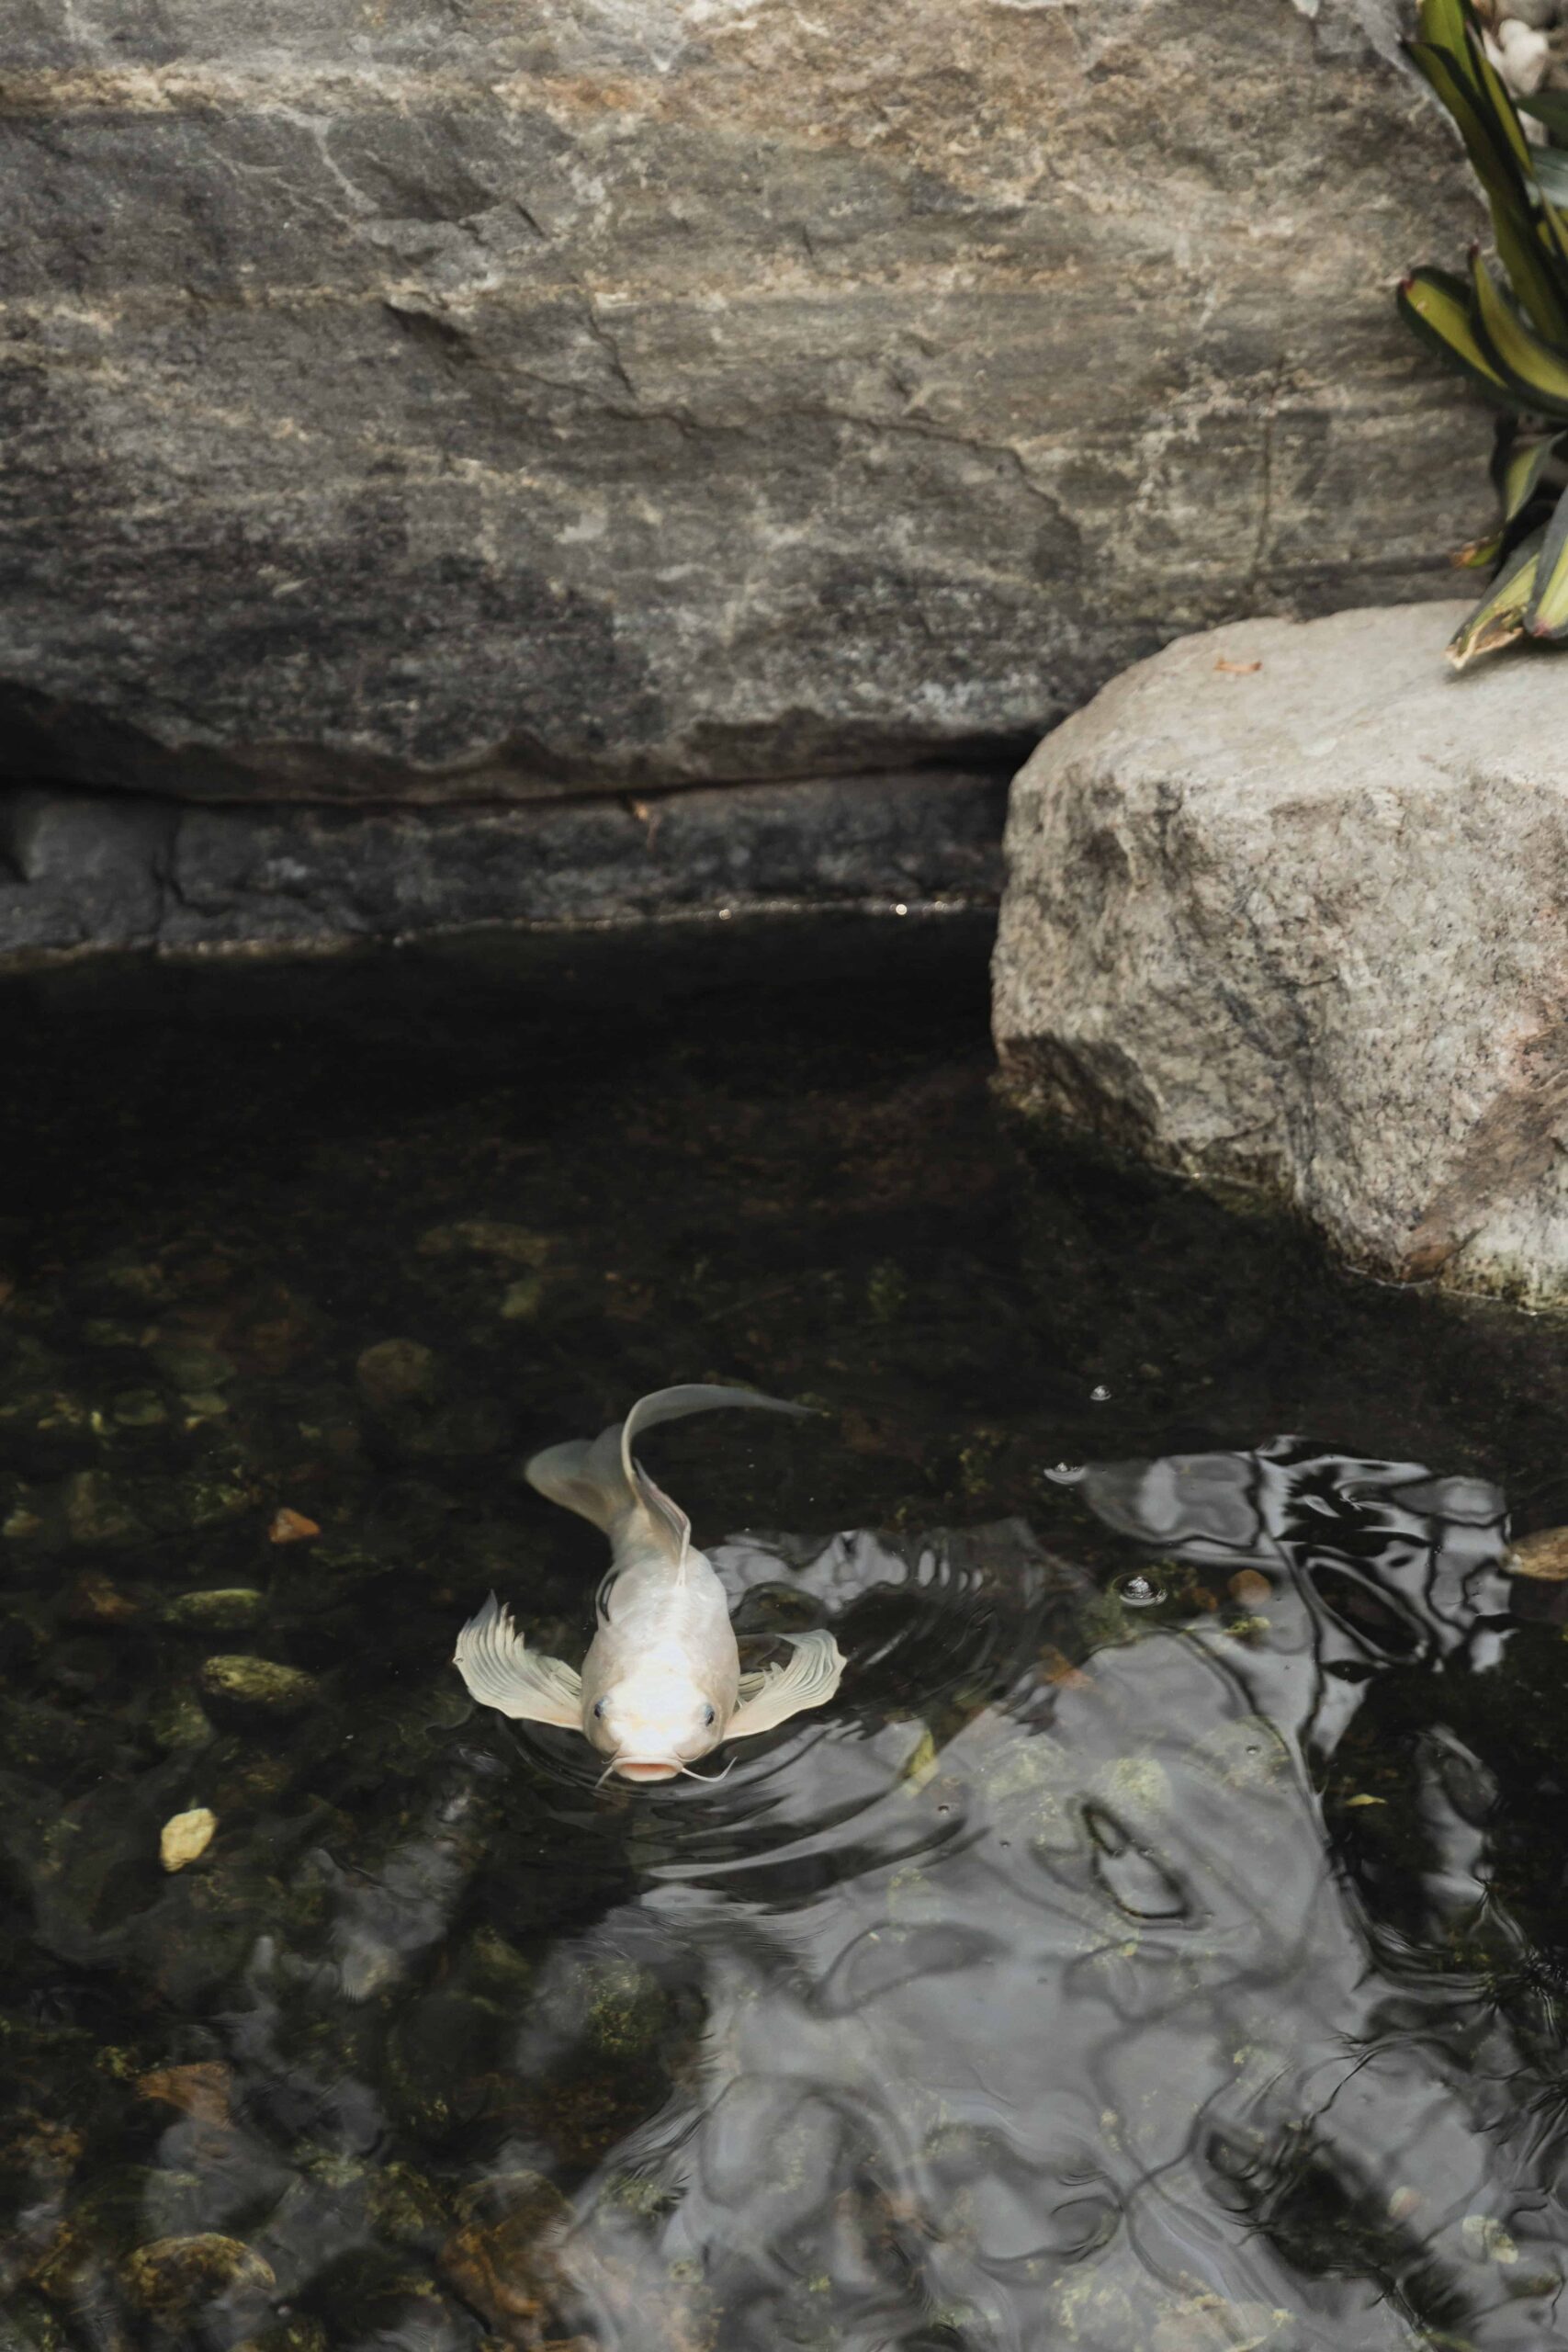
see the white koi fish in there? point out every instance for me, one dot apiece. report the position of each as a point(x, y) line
point(661, 1684)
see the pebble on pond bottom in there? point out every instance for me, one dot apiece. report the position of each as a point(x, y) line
point(185, 1836)
point(291, 1527)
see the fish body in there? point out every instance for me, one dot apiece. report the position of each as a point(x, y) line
point(661, 1685)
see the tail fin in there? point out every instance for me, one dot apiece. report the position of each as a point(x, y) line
point(598, 1477)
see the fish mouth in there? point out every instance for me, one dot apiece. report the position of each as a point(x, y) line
point(638, 1767)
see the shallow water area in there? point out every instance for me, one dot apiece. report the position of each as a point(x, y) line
point(1159, 1942)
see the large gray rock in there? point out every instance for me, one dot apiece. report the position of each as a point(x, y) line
point(1287, 910)
point(440, 399)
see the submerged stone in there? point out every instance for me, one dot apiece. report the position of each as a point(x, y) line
point(514, 1245)
point(176, 1720)
point(1543, 1556)
point(259, 1682)
point(185, 1836)
point(140, 1408)
point(207, 1406)
point(297, 2333)
point(205, 1498)
point(102, 1331)
point(500, 2256)
point(232, 1610)
point(192, 1369)
point(404, 2205)
point(95, 1512)
point(289, 1526)
point(395, 1374)
point(522, 1300)
point(201, 2089)
point(172, 2276)
point(626, 2007)
point(26, 2324)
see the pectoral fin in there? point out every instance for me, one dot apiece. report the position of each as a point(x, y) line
point(808, 1680)
point(501, 1673)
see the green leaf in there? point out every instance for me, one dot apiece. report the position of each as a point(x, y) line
point(1530, 272)
point(1519, 473)
point(1533, 248)
point(1547, 614)
point(1499, 617)
point(1536, 374)
point(1502, 158)
point(1442, 23)
point(1436, 305)
point(1486, 143)
point(1494, 94)
point(1461, 46)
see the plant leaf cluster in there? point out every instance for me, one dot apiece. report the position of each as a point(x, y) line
point(1510, 340)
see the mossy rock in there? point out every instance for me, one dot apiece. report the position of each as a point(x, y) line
point(259, 1683)
point(404, 2207)
point(99, 2227)
point(96, 1512)
point(26, 2324)
point(191, 1368)
point(299, 2332)
point(176, 1720)
point(522, 1300)
point(234, 1610)
point(40, 1738)
point(129, 1279)
point(480, 1237)
point(171, 2277)
point(500, 2256)
point(494, 1966)
point(140, 1408)
point(207, 1498)
point(628, 2011)
point(397, 1374)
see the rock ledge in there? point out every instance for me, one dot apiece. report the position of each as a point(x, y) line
point(85, 872)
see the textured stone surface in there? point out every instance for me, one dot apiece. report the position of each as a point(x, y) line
point(102, 870)
point(462, 399)
point(1288, 909)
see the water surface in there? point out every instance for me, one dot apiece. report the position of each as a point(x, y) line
point(1159, 1944)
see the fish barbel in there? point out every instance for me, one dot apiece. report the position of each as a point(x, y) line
point(661, 1685)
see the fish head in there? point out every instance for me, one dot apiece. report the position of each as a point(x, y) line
point(654, 1721)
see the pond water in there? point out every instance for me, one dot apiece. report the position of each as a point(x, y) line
point(1159, 1945)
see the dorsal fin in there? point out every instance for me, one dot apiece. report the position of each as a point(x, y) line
point(667, 1515)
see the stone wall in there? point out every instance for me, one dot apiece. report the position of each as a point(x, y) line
point(486, 399)
point(84, 871)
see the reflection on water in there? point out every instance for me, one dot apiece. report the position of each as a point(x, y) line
point(1067, 2029)
point(1159, 1944)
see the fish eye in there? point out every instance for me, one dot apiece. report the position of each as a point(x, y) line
point(598, 1710)
point(708, 1715)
